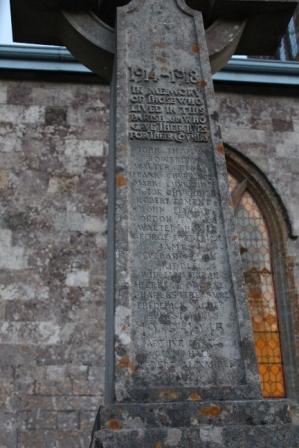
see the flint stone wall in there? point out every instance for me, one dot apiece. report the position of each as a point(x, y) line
point(53, 147)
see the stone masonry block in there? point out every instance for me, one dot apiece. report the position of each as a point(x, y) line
point(43, 333)
point(58, 403)
point(68, 420)
point(8, 439)
point(19, 94)
point(18, 114)
point(10, 144)
point(56, 116)
point(41, 419)
point(3, 92)
point(87, 419)
point(53, 439)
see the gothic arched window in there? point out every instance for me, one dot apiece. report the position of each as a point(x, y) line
point(264, 276)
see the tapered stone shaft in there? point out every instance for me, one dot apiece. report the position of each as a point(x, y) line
point(181, 319)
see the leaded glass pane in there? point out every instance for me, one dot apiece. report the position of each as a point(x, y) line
point(256, 259)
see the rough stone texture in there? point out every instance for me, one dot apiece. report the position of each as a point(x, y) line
point(52, 261)
point(165, 318)
point(207, 436)
point(263, 124)
point(66, 378)
point(205, 425)
point(181, 318)
point(265, 128)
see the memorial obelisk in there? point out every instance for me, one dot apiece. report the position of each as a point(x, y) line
point(181, 319)
point(180, 352)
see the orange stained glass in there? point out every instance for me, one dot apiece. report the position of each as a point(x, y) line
point(256, 259)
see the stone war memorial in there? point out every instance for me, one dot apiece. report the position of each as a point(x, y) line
point(180, 360)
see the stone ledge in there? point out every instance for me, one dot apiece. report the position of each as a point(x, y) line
point(182, 394)
point(206, 436)
point(188, 414)
point(230, 424)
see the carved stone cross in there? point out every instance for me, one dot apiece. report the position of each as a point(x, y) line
point(86, 27)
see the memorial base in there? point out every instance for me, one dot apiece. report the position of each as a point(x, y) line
point(229, 424)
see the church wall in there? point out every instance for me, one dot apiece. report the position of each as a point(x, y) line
point(265, 128)
point(52, 261)
point(53, 148)
point(263, 124)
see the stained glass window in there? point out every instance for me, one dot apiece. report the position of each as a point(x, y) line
point(256, 258)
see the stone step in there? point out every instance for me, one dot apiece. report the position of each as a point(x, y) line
point(204, 436)
point(192, 414)
point(229, 424)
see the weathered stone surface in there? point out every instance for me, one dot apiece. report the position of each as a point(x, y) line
point(177, 276)
point(205, 425)
point(185, 414)
point(252, 124)
point(180, 317)
point(52, 261)
point(208, 436)
point(246, 120)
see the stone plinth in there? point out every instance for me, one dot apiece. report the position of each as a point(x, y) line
point(251, 424)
